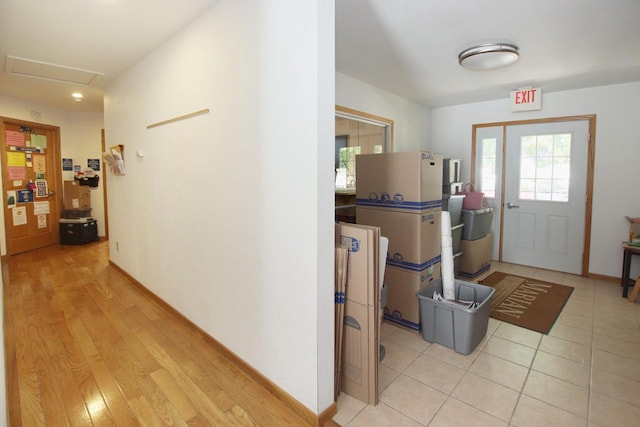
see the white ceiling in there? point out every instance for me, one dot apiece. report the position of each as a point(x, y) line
point(407, 47)
point(410, 47)
point(104, 36)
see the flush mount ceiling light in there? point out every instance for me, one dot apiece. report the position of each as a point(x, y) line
point(488, 56)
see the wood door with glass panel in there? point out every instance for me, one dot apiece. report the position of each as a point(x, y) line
point(31, 171)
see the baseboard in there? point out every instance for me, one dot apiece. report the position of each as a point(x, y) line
point(309, 416)
point(604, 278)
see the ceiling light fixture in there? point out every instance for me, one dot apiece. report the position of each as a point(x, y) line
point(488, 56)
point(77, 96)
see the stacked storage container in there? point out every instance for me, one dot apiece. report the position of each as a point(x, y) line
point(476, 242)
point(402, 194)
point(451, 183)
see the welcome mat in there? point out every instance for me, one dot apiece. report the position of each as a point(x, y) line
point(531, 303)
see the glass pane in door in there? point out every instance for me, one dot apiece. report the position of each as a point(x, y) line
point(545, 167)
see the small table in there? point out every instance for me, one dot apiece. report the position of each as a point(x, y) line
point(629, 252)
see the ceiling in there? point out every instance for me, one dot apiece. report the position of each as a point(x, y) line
point(406, 47)
point(410, 47)
point(102, 36)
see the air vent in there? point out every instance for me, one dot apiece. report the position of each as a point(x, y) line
point(53, 72)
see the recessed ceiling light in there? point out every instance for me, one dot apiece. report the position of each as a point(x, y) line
point(77, 96)
point(488, 56)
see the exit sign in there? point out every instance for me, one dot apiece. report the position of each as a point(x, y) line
point(526, 99)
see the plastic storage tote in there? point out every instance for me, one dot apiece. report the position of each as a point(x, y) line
point(451, 325)
point(453, 204)
point(477, 223)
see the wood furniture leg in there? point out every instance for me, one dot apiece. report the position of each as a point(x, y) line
point(635, 291)
point(626, 267)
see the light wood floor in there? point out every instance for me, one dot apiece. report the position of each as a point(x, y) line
point(84, 346)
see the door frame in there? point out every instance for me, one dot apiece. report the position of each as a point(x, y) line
point(591, 118)
point(104, 190)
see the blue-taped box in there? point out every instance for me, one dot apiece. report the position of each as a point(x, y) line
point(400, 181)
point(452, 325)
point(402, 306)
point(414, 238)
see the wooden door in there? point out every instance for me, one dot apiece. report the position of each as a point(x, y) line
point(30, 154)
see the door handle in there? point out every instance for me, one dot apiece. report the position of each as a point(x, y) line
point(512, 206)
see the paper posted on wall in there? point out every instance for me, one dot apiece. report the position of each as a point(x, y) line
point(114, 158)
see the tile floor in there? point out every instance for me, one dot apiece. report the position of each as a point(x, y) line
point(586, 372)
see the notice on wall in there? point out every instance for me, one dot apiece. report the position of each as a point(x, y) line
point(41, 208)
point(39, 163)
point(11, 199)
point(16, 172)
point(42, 189)
point(16, 158)
point(19, 215)
point(38, 141)
point(42, 221)
point(14, 138)
point(93, 164)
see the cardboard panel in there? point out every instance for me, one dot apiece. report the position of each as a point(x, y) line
point(361, 349)
point(414, 238)
point(405, 181)
point(362, 242)
point(361, 352)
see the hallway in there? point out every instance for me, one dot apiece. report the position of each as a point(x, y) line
point(84, 346)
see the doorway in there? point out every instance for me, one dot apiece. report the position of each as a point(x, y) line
point(31, 176)
point(538, 175)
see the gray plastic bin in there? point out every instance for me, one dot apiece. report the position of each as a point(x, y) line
point(453, 204)
point(477, 223)
point(454, 326)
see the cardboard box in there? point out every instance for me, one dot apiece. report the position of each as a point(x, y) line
point(414, 238)
point(403, 305)
point(634, 229)
point(476, 256)
point(634, 233)
point(76, 196)
point(405, 182)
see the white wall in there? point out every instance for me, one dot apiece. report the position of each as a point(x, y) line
point(229, 215)
point(80, 140)
point(616, 157)
point(411, 120)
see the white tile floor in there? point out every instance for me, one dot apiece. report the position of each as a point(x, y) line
point(586, 372)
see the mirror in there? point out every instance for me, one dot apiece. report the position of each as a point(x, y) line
point(358, 133)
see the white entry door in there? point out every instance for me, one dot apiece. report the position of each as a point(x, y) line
point(545, 195)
